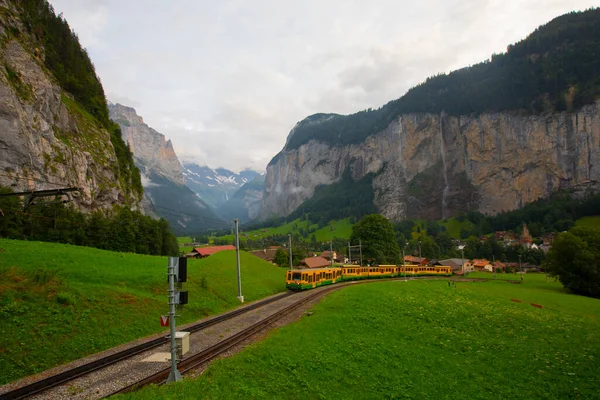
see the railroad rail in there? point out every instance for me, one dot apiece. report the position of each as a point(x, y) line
point(221, 347)
point(68, 375)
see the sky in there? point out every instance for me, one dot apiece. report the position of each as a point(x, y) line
point(227, 80)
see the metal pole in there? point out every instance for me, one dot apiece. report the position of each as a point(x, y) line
point(349, 254)
point(174, 375)
point(237, 256)
point(520, 267)
point(290, 248)
point(462, 252)
point(331, 252)
point(403, 264)
point(360, 249)
point(420, 260)
point(494, 265)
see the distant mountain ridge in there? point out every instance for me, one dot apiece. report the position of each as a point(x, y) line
point(245, 203)
point(165, 192)
point(490, 138)
point(215, 186)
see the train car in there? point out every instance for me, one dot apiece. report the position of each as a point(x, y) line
point(383, 271)
point(302, 279)
point(354, 272)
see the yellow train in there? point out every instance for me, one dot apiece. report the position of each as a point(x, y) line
point(303, 279)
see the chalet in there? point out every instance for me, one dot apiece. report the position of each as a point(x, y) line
point(328, 255)
point(482, 265)
point(203, 252)
point(266, 254)
point(315, 262)
point(416, 260)
point(498, 266)
point(454, 263)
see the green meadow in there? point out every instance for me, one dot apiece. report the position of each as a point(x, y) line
point(590, 222)
point(335, 229)
point(419, 339)
point(59, 303)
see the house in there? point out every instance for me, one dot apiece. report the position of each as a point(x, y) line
point(482, 265)
point(468, 266)
point(498, 266)
point(416, 260)
point(315, 262)
point(202, 252)
point(328, 255)
point(454, 263)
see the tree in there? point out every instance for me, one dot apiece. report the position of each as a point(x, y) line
point(575, 259)
point(378, 239)
point(281, 258)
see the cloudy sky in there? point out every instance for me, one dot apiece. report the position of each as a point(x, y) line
point(227, 80)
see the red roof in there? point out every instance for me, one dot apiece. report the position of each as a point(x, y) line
point(480, 263)
point(316, 262)
point(207, 251)
point(415, 260)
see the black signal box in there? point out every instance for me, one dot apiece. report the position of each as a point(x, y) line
point(183, 298)
point(182, 270)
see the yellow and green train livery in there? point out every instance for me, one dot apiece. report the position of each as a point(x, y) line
point(301, 279)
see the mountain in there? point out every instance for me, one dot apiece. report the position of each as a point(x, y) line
point(245, 203)
point(166, 194)
point(53, 115)
point(490, 137)
point(215, 186)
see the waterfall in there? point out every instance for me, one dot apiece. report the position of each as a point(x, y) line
point(443, 151)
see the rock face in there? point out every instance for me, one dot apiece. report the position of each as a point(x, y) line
point(150, 148)
point(433, 166)
point(165, 192)
point(46, 140)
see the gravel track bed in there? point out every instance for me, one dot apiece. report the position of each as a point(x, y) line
point(105, 381)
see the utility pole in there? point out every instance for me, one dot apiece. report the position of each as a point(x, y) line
point(420, 260)
point(349, 255)
point(174, 375)
point(404, 262)
point(237, 256)
point(462, 252)
point(521, 268)
point(331, 252)
point(290, 249)
point(360, 250)
point(494, 265)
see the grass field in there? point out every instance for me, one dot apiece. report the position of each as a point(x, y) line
point(590, 222)
point(421, 339)
point(60, 302)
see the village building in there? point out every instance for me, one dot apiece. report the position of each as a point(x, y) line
point(328, 255)
point(454, 263)
point(203, 252)
point(482, 265)
point(315, 262)
point(415, 260)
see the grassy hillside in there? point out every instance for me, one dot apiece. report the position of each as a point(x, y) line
point(341, 229)
point(590, 222)
point(92, 299)
point(420, 339)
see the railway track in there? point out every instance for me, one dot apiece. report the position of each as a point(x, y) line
point(212, 352)
point(66, 376)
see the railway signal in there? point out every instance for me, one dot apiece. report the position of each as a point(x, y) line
point(177, 274)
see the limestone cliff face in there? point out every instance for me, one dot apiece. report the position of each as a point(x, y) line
point(432, 166)
point(150, 148)
point(46, 140)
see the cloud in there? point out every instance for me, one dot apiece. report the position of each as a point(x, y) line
point(226, 81)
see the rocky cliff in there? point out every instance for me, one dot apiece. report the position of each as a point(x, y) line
point(165, 192)
point(48, 141)
point(245, 203)
point(151, 150)
point(434, 165)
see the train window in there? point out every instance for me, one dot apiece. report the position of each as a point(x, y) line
point(296, 276)
point(309, 279)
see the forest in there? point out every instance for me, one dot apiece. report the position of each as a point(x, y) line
point(119, 229)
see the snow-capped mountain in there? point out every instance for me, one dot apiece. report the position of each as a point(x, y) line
point(215, 186)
